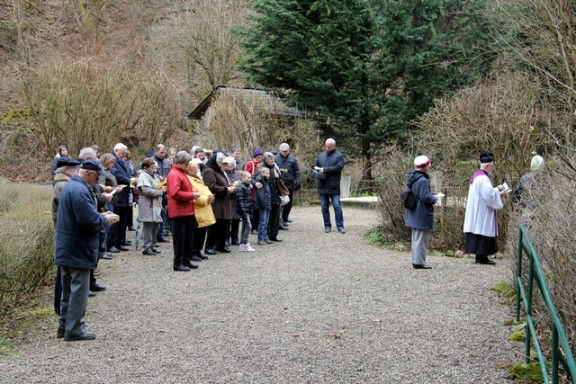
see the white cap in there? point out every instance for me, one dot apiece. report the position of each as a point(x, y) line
point(284, 147)
point(421, 161)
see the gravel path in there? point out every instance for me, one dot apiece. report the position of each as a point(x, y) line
point(316, 308)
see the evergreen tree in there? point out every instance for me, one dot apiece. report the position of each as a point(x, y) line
point(367, 66)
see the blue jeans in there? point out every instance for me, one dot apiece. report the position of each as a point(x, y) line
point(324, 201)
point(263, 224)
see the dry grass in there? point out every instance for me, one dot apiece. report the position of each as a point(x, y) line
point(26, 240)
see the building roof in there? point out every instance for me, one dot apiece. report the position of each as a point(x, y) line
point(258, 100)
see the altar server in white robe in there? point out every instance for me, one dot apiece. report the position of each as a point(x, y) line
point(480, 222)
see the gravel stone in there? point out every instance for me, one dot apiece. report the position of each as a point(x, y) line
point(316, 308)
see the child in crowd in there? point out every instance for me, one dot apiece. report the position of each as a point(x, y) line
point(262, 203)
point(244, 209)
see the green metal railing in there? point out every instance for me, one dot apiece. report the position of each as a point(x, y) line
point(560, 356)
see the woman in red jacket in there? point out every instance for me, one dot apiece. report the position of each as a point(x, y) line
point(181, 198)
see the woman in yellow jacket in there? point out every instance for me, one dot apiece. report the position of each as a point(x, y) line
point(202, 208)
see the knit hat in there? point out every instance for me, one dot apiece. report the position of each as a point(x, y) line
point(284, 147)
point(537, 163)
point(486, 157)
point(257, 152)
point(421, 162)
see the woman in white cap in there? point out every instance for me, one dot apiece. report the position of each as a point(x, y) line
point(521, 195)
point(480, 223)
point(421, 218)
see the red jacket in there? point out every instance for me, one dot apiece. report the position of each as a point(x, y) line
point(180, 193)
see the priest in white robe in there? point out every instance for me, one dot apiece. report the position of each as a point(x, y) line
point(480, 222)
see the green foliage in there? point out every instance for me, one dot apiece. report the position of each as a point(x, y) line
point(370, 67)
point(518, 336)
point(531, 372)
point(377, 237)
point(504, 289)
point(26, 240)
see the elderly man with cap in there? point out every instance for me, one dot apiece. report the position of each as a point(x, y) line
point(76, 248)
point(480, 223)
point(66, 167)
point(290, 175)
point(421, 218)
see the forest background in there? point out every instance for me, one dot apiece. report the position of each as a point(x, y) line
point(444, 78)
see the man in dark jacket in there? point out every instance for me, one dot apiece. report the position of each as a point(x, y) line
point(421, 218)
point(123, 177)
point(330, 164)
point(76, 249)
point(163, 170)
point(290, 175)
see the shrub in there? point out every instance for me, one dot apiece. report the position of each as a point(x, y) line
point(549, 223)
point(26, 239)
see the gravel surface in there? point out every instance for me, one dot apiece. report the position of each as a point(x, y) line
point(316, 308)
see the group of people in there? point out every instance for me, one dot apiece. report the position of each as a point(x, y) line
point(480, 222)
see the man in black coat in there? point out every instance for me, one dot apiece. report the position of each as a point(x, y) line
point(290, 175)
point(329, 166)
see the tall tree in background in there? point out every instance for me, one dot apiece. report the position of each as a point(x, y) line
point(366, 67)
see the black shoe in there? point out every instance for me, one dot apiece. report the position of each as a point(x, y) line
point(113, 250)
point(235, 242)
point(91, 293)
point(126, 243)
point(162, 240)
point(283, 228)
point(191, 266)
point(421, 266)
point(84, 336)
point(156, 250)
point(60, 334)
point(342, 230)
point(131, 228)
point(105, 256)
point(203, 257)
point(210, 252)
point(487, 262)
point(121, 248)
point(195, 258)
point(97, 288)
point(223, 250)
point(181, 268)
point(278, 240)
point(149, 252)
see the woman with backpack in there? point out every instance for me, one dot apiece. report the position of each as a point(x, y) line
point(421, 217)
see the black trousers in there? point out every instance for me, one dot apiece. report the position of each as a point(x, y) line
point(217, 234)
point(183, 239)
point(199, 238)
point(274, 223)
point(288, 207)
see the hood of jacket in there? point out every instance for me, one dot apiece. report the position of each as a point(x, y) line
point(414, 175)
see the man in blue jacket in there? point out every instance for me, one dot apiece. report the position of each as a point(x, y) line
point(76, 250)
point(330, 165)
point(421, 218)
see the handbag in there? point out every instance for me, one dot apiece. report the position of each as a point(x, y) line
point(284, 200)
point(319, 175)
point(282, 189)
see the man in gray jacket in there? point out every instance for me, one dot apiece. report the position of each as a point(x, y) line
point(421, 218)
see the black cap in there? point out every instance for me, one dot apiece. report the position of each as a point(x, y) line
point(486, 157)
point(66, 161)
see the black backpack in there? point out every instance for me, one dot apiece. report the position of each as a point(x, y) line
point(408, 198)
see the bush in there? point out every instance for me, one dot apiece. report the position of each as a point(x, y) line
point(549, 225)
point(26, 240)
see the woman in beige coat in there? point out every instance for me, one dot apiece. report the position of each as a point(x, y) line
point(202, 208)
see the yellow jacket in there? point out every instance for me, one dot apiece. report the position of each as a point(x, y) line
point(202, 209)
